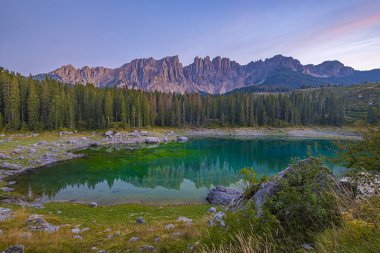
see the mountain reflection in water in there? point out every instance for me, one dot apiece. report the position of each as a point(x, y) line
point(173, 172)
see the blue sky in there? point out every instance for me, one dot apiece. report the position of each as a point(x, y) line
point(39, 36)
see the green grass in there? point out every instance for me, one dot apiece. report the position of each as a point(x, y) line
point(117, 218)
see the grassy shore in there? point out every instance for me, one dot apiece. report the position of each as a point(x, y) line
point(110, 228)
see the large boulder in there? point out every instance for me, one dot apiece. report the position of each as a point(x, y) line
point(306, 173)
point(221, 195)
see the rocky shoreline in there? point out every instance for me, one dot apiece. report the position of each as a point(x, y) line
point(42, 153)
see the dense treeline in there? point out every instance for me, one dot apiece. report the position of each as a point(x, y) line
point(26, 103)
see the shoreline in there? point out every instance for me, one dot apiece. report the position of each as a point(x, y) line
point(31, 155)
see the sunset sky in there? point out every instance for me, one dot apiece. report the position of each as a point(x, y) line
point(39, 36)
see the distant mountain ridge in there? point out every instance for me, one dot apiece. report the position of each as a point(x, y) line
point(216, 76)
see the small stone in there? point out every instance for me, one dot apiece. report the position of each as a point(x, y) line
point(93, 204)
point(140, 220)
point(110, 236)
point(151, 140)
point(7, 189)
point(75, 230)
point(184, 220)
point(101, 251)
point(5, 213)
point(15, 249)
point(11, 183)
point(94, 248)
point(84, 230)
point(169, 226)
point(212, 210)
point(157, 239)
point(307, 247)
point(133, 239)
point(182, 139)
point(107, 230)
point(147, 248)
point(78, 237)
point(109, 133)
point(117, 233)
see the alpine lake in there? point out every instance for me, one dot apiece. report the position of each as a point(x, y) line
point(171, 173)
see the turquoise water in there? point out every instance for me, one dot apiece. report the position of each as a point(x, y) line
point(165, 173)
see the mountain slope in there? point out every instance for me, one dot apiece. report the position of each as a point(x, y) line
point(219, 75)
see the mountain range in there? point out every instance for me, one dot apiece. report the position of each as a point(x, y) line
point(216, 76)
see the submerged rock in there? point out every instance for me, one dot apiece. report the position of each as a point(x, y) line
point(15, 249)
point(37, 222)
point(221, 195)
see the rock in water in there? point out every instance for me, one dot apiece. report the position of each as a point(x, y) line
point(221, 195)
point(37, 222)
point(15, 249)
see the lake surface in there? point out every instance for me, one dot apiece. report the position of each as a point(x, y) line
point(165, 173)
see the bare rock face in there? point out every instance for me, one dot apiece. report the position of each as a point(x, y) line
point(216, 76)
point(221, 195)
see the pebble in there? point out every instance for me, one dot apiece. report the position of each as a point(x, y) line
point(140, 220)
point(133, 239)
point(169, 226)
point(212, 210)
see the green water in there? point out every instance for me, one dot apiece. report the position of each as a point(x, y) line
point(168, 173)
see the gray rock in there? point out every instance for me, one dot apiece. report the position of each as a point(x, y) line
point(79, 237)
point(217, 220)
point(37, 222)
point(4, 156)
point(307, 247)
point(212, 210)
point(6, 189)
point(140, 220)
point(147, 248)
point(169, 226)
point(182, 139)
point(184, 220)
point(93, 204)
point(152, 140)
point(15, 249)
point(221, 195)
point(101, 251)
point(75, 230)
point(5, 213)
point(17, 151)
point(108, 133)
point(11, 183)
point(133, 239)
point(12, 166)
point(157, 239)
point(144, 133)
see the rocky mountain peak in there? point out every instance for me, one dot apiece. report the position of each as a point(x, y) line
point(217, 75)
